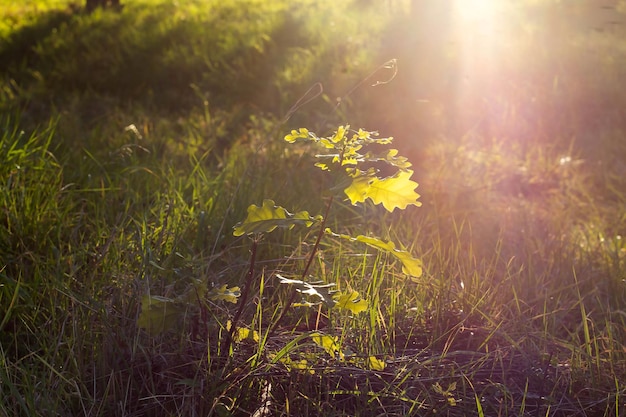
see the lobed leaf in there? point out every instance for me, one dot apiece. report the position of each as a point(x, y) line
point(224, 293)
point(410, 266)
point(351, 301)
point(327, 143)
point(383, 141)
point(301, 133)
point(376, 364)
point(359, 187)
point(329, 344)
point(269, 216)
point(394, 192)
point(391, 157)
point(340, 134)
point(242, 334)
point(323, 166)
point(367, 137)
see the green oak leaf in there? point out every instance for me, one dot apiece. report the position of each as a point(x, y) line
point(243, 334)
point(323, 166)
point(365, 137)
point(294, 135)
point(225, 294)
point(329, 343)
point(390, 157)
point(397, 191)
point(410, 266)
point(340, 134)
point(359, 187)
point(382, 141)
point(327, 143)
point(363, 134)
point(269, 216)
point(376, 364)
point(351, 301)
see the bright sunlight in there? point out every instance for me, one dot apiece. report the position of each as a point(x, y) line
point(474, 10)
point(457, 62)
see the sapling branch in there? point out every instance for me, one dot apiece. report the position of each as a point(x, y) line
point(294, 292)
point(244, 295)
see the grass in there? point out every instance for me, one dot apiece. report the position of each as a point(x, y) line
point(132, 141)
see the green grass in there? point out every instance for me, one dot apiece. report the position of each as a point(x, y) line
point(132, 141)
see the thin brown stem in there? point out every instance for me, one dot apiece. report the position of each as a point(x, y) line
point(294, 292)
point(244, 296)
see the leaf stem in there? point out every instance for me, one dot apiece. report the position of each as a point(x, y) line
point(244, 296)
point(294, 292)
point(292, 295)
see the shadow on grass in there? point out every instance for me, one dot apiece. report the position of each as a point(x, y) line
point(165, 58)
point(18, 49)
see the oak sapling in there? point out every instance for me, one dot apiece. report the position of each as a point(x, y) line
point(348, 153)
point(352, 155)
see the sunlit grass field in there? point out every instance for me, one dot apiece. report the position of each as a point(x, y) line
point(132, 141)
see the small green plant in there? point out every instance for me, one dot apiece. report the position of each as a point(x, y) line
point(447, 393)
point(353, 156)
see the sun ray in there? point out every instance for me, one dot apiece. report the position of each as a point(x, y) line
point(475, 10)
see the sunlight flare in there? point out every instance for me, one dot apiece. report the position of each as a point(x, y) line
point(475, 10)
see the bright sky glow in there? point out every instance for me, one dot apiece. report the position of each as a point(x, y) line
point(477, 35)
point(475, 10)
point(475, 32)
point(461, 51)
